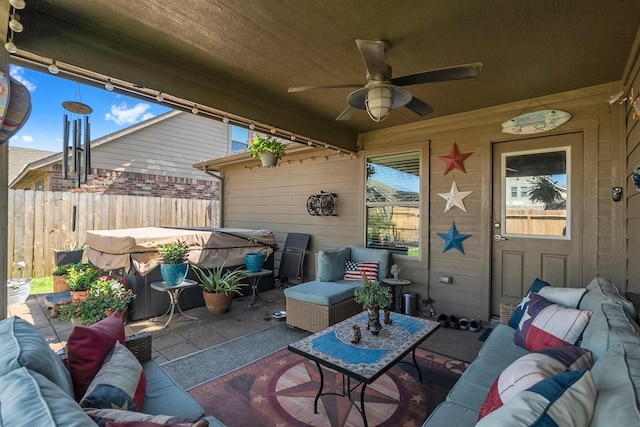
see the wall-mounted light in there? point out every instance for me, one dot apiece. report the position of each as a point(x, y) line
point(323, 204)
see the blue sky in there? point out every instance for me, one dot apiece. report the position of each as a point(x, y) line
point(43, 130)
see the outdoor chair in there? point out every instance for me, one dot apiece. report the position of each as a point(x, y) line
point(291, 269)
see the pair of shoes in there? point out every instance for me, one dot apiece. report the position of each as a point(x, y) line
point(444, 320)
point(454, 322)
point(474, 325)
point(464, 323)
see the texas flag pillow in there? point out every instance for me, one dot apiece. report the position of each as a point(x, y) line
point(545, 324)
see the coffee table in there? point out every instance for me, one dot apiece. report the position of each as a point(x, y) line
point(367, 360)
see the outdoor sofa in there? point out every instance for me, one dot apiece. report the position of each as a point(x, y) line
point(318, 304)
point(604, 395)
point(37, 387)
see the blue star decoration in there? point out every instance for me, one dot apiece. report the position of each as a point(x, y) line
point(453, 239)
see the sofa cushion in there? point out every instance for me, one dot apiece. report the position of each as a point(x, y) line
point(120, 382)
point(532, 368)
point(617, 378)
point(499, 345)
point(601, 290)
point(565, 399)
point(28, 398)
point(545, 325)
point(382, 256)
point(609, 325)
point(369, 268)
point(23, 346)
point(87, 348)
point(119, 417)
point(474, 384)
point(322, 293)
point(331, 264)
point(451, 414)
point(164, 396)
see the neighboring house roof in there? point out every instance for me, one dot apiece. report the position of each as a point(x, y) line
point(52, 157)
point(19, 158)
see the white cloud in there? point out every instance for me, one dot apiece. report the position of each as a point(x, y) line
point(18, 74)
point(123, 115)
point(26, 138)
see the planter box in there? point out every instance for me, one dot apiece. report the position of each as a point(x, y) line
point(68, 257)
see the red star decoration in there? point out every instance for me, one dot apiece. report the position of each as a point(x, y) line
point(455, 160)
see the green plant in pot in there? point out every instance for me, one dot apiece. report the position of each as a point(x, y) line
point(373, 297)
point(218, 286)
point(174, 266)
point(60, 277)
point(253, 261)
point(106, 296)
point(80, 278)
point(268, 149)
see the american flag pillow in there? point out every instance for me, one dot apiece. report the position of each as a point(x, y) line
point(370, 268)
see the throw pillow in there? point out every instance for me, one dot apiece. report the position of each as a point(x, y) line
point(369, 268)
point(23, 346)
point(331, 264)
point(200, 423)
point(120, 382)
point(28, 398)
point(87, 348)
point(565, 399)
point(103, 417)
point(522, 307)
point(545, 325)
point(532, 368)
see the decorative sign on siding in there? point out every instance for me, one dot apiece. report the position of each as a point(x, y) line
point(536, 122)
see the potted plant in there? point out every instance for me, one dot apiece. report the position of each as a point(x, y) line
point(80, 277)
point(218, 287)
point(69, 255)
point(268, 149)
point(253, 261)
point(60, 277)
point(373, 297)
point(106, 296)
point(174, 266)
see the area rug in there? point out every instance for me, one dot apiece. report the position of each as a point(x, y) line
point(279, 390)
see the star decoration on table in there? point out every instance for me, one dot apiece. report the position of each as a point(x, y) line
point(455, 159)
point(455, 197)
point(453, 239)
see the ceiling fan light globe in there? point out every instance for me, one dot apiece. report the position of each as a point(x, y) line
point(378, 102)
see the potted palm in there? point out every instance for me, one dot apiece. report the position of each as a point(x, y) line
point(106, 296)
point(268, 149)
point(174, 266)
point(373, 297)
point(218, 287)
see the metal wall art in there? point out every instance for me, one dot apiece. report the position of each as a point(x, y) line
point(322, 204)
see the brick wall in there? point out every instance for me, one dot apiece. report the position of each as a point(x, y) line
point(104, 181)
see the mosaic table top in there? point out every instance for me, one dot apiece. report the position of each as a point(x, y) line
point(373, 355)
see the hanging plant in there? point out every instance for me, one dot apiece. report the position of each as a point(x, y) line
point(636, 177)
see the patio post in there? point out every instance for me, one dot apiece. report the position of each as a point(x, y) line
point(4, 175)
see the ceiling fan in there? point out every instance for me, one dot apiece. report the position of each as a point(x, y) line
point(382, 93)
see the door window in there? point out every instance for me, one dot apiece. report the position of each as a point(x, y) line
point(541, 207)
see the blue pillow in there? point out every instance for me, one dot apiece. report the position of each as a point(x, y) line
point(522, 307)
point(331, 264)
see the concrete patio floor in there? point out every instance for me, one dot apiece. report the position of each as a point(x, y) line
point(182, 336)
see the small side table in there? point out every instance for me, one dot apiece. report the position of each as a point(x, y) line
point(397, 285)
point(254, 279)
point(174, 292)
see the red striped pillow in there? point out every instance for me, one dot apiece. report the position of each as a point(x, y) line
point(370, 268)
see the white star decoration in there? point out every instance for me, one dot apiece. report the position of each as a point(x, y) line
point(455, 197)
point(524, 301)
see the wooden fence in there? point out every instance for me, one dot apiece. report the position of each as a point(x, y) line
point(41, 222)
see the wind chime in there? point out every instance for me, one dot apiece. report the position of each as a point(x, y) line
point(76, 137)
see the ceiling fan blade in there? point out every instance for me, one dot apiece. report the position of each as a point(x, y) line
point(373, 54)
point(458, 72)
point(419, 107)
point(306, 88)
point(346, 114)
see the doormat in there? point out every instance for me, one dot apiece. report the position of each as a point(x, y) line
point(280, 389)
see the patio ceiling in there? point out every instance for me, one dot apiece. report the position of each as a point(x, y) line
point(241, 56)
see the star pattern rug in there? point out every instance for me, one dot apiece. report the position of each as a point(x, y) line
point(279, 390)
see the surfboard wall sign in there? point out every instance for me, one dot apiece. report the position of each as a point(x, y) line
point(536, 122)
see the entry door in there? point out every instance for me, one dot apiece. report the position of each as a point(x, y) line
point(537, 215)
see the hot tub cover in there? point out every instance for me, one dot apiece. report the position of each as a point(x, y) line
point(208, 247)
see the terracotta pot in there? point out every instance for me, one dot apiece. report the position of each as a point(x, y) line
point(78, 295)
point(217, 303)
point(60, 284)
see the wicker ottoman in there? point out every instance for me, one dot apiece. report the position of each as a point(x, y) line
point(314, 318)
